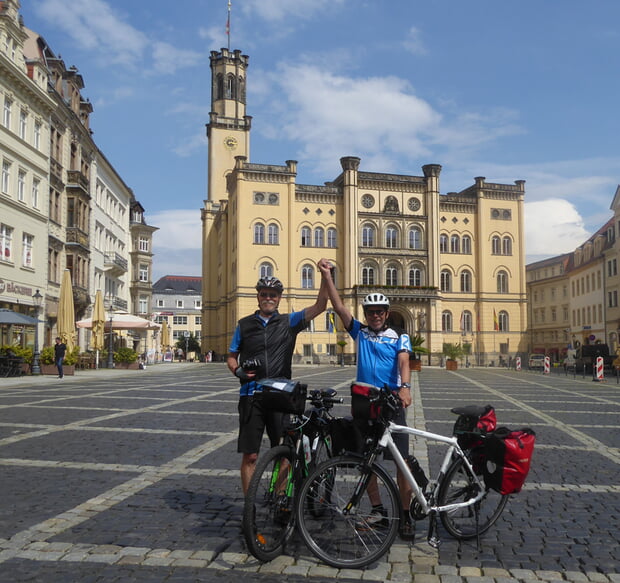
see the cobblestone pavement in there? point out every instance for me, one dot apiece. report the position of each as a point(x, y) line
point(133, 476)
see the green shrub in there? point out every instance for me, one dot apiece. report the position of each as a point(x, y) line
point(47, 356)
point(125, 355)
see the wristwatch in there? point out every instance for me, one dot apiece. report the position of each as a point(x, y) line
point(405, 386)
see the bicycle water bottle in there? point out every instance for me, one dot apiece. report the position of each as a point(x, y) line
point(417, 471)
point(307, 449)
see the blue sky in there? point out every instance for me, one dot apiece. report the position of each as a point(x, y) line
point(507, 90)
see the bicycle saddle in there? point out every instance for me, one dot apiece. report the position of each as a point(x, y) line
point(470, 410)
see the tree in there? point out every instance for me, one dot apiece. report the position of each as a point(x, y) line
point(192, 344)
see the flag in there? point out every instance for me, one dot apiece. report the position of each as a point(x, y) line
point(462, 321)
point(332, 322)
point(495, 322)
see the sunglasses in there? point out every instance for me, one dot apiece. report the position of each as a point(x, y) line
point(378, 312)
point(268, 295)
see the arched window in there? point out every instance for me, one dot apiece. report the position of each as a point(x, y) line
point(391, 238)
point(445, 281)
point(507, 246)
point(455, 244)
point(319, 237)
point(231, 87)
point(265, 270)
point(502, 282)
point(496, 246)
point(446, 321)
point(307, 277)
point(415, 238)
point(220, 86)
point(259, 234)
point(466, 323)
point(273, 234)
point(391, 276)
point(331, 238)
point(368, 236)
point(415, 276)
point(503, 322)
point(466, 281)
point(306, 237)
point(466, 244)
point(443, 243)
point(368, 275)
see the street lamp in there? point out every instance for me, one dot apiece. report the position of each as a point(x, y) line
point(37, 298)
point(111, 341)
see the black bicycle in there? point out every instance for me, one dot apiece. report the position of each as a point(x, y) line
point(268, 516)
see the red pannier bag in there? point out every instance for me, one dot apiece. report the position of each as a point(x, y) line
point(508, 459)
point(473, 420)
point(361, 405)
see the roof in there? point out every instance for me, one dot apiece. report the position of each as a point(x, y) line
point(178, 284)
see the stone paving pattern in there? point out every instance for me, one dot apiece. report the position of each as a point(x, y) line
point(133, 476)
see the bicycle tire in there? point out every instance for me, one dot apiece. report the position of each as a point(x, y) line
point(346, 540)
point(457, 486)
point(268, 518)
point(320, 491)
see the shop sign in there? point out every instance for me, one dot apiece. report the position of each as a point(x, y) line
point(11, 287)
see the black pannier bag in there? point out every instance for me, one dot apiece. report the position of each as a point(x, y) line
point(347, 436)
point(473, 419)
point(508, 458)
point(282, 395)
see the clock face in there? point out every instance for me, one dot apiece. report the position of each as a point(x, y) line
point(414, 204)
point(368, 201)
point(230, 142)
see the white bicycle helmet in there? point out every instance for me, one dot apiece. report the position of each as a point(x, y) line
point(269, 282)
point(376, 299)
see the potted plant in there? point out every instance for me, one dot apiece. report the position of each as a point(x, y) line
point(415, 363)
point(126, 358)
point(342, 344)
point(452, 352)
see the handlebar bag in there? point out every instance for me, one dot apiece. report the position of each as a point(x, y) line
point(362, 401)
point(508, 459)
point(282, 395)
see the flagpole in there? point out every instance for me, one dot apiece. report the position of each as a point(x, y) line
point(228, 26)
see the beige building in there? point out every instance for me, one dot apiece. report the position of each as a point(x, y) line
point(452, 265)
point(573, 297)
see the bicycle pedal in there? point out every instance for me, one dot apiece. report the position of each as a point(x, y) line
point(434, 541)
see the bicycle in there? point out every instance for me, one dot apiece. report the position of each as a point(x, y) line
point(268, 518)
point(347, 534)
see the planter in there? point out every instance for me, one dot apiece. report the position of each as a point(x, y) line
point(415, 364)
point(50, 369)
point(452, 364)
point(127, 365)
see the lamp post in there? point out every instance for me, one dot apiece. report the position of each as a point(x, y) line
point(111, 341)
point(37, 298)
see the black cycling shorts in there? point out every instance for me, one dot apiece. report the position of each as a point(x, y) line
point(253, 420)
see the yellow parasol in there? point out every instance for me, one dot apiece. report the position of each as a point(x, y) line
point(98, 319)
point(165, 334)
point(66, 312)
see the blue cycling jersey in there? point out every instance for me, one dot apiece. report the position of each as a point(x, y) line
point(377, 354)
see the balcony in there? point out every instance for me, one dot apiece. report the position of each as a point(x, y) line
point(114, 263)
point(75, 236)
point(119, 304)
point(77, 181)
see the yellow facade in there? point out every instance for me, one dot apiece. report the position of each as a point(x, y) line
point(452, 265)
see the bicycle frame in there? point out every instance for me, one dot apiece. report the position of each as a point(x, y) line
point(386, 441)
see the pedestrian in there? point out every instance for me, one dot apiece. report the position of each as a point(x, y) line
point(60, 349)
point(382, 361)
point(264, 341)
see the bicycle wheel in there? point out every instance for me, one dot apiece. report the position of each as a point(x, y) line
point(458, 486)
point(268, 511)
point(320, 491)
point(342, 537)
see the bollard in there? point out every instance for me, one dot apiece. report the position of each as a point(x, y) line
point(599, 374)
point(518, 363)
point(547, 365)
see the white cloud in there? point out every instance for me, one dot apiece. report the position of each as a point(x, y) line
point(280, 10)
point(552, 227)
point(178, 228)
point(413, 43)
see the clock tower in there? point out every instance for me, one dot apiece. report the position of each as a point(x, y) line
point(228, 129)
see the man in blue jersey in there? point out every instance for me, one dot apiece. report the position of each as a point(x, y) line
point(382, 361)
point(262, 347)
